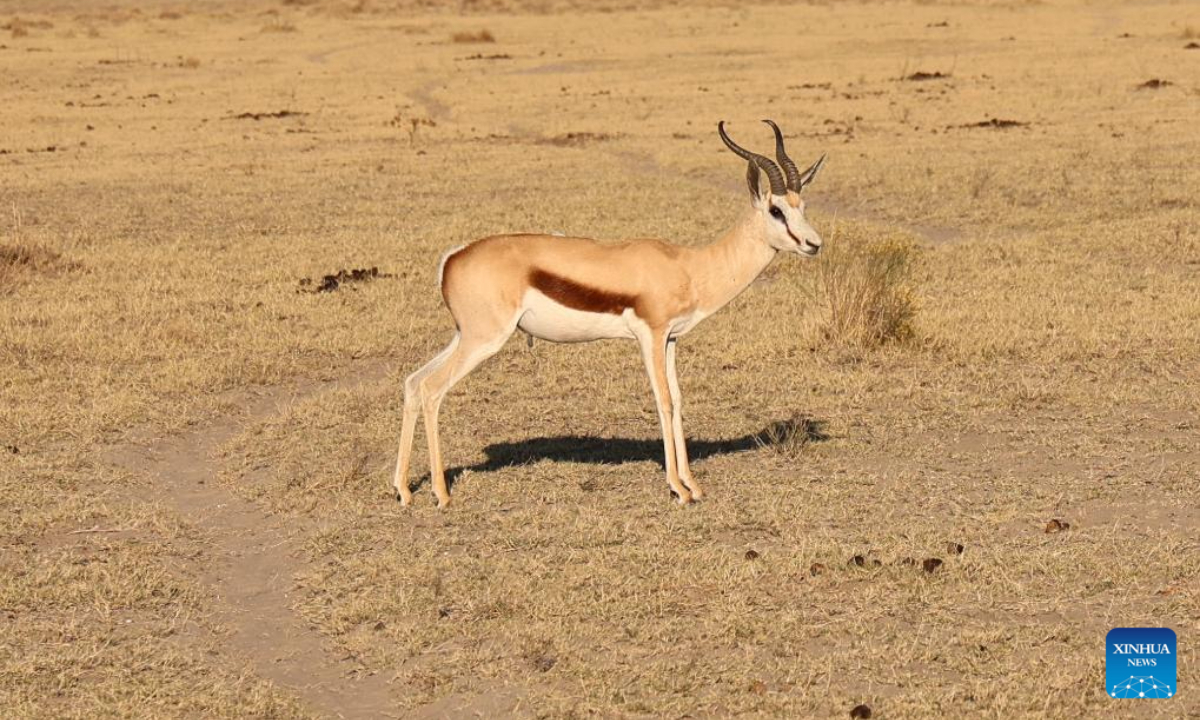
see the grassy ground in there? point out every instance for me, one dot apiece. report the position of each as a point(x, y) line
point(184, 419)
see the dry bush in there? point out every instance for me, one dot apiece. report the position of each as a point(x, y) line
point(466, 36)
point(867, 290)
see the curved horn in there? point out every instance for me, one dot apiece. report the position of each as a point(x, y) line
point(785, 162)
point(778, 185)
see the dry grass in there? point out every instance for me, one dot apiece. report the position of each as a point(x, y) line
point(279, 25)
point(468, 36)
point(19, 260)
point(790, 437)
point(867, 290)
point(875, 528)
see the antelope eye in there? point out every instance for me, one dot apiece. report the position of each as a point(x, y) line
point(776, 213)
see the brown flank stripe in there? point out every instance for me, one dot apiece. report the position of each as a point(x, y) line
point(579, 297)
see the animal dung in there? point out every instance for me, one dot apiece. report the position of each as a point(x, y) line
point(861, 712)
point(816, 569)
point(751, 554)
point(931, 564)
point(954, 548)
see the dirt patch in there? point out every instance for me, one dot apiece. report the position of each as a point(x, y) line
point(278, 114)
point(255, 560)
point(46, 149)
point(329, 283)
point(921, 76)
point(466, 37)
point(995, 123)
point(577, 139)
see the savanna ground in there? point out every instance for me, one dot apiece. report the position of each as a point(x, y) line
point(197, 519)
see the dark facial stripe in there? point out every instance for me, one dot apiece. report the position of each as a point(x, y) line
point(579, 297)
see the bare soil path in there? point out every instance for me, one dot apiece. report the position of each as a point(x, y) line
point(255, 556)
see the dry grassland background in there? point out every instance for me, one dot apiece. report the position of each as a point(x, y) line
point(195, 512)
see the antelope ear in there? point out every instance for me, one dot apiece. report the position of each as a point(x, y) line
point(810, 174)
point(752, 178)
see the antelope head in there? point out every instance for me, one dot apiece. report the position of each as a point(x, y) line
point(780, 207)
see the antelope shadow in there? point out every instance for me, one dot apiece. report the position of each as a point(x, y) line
point(589, 449)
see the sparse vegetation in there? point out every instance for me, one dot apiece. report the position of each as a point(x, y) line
point(875, 531)
point(411, 123)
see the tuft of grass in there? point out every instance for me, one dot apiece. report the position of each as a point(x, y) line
point(18, 259)
point(279, 25)
point(1190, 32)
point(190, 63)
point(868, 294)
point(790, 437)
point(466, 36)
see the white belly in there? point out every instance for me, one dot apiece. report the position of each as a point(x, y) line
point(543, 318)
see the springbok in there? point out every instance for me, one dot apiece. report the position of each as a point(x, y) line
point(567, 289)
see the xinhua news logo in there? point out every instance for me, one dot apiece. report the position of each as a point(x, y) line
point(1140, 663)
